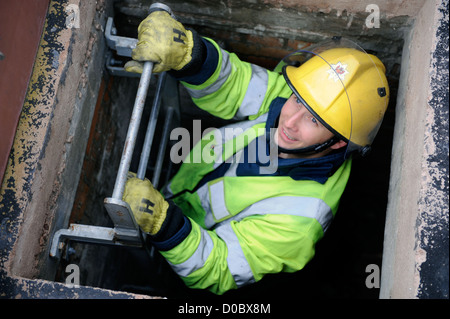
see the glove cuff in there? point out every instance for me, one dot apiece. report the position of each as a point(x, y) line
point(197, 58)
point(175, 228)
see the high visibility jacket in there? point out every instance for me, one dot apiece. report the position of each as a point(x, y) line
point(245, 225)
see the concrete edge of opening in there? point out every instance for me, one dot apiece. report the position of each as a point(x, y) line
point(418, 194)
point(54, 126)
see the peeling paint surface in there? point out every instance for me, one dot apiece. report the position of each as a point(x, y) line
point(34, 128)
point(29, 190)
point(432, 253)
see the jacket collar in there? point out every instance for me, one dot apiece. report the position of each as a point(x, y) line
point(317, 169)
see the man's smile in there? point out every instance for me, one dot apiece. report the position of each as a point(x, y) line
point(286, 138)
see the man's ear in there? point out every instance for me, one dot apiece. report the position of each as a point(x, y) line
point(338, 145)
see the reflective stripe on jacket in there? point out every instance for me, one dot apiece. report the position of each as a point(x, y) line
point(244, 227)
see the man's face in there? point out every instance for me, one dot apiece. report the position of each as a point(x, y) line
point(298, 128)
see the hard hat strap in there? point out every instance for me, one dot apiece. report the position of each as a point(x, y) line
point(313, 149)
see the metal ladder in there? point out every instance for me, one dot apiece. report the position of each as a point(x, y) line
point(126, 232)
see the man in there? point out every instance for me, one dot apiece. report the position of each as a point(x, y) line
point(226, 222)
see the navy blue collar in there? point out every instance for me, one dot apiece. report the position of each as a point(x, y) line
point(317, 169)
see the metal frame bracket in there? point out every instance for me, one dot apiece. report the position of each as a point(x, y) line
point(122, 45)
point(126, 231)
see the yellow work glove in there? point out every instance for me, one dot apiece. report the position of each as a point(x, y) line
point(147, 204)
point(163, 41)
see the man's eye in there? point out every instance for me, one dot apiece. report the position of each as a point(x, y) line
point(298, 101)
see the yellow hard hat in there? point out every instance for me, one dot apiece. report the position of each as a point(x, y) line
point(344, 87)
